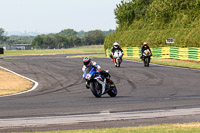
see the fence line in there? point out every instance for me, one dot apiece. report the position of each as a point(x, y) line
point(190, 53)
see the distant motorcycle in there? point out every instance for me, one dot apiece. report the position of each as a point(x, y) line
point(146, 57)
point(100, 82)
point(117, 57)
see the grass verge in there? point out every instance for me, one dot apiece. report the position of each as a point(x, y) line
point(164, 128)
point(77, 50)
point(11, 83)
point(172, 62)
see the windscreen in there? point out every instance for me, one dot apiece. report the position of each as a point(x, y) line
point(88, 69)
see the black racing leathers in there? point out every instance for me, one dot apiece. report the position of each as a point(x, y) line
point(143, 48)
point(113, 49)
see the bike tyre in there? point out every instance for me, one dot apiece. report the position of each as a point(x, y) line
point(112, 92)
point(146, 61)
point(148, 58)
point(96, 89)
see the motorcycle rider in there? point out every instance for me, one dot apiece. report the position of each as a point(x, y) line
point(143, 48)
point(114, 48)
point(87, 63)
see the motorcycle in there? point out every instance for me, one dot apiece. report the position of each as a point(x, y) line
point(100, 82)
point(146, 57)
point(117, 58)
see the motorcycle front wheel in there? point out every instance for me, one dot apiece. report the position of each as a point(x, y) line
point(96, 89)
point(118, 62)
point(113, 91)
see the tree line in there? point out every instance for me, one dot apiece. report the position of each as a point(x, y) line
point(69, 38)
point(14, 39)
point(157, 14)
point(3, 38)
point(66, 38)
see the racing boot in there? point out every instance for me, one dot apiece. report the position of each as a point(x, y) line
point(87, 85)
point(111, 83)
point(111, 57)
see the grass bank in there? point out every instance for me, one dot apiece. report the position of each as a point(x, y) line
point(77, 50)
point(164, 128)
point(11, 83)
point(187, 37)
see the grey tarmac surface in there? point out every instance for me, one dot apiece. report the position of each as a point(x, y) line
point(62, 92)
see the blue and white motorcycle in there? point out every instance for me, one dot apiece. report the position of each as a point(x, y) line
point(100, 82)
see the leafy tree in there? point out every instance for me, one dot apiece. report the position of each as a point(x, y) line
point(141, 7)
point(48, 42)
point(38, 41)
point(2, 37)
point(94, 37)
point(155, 21)
point(69, 38)
point(108, 32)
point(124, 13)
point(81, 34)
point(20, 39)
point(69, 32)
point(156, 14)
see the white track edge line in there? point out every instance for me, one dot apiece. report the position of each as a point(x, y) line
point(74, 119)
point(33, 88)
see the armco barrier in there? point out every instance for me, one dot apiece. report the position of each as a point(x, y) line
point(191, 53)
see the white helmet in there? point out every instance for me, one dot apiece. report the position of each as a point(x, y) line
point(145, 43)
point(115, 44)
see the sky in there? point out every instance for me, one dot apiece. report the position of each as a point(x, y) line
point(52, 16)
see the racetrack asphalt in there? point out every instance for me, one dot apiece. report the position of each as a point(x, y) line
point(62, 91)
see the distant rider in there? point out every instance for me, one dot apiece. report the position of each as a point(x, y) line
point(143, 48)
point(114, 48)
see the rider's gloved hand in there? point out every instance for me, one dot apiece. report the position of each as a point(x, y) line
point(99, 70)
